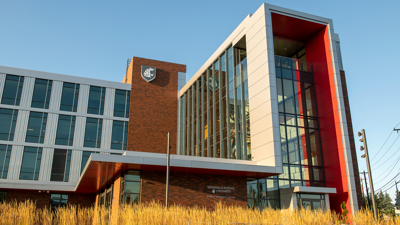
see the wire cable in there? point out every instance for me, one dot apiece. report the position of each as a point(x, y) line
point(384, 186)
point(377, 153)
point(385, 162)
point(398, 159)
point(386, 151)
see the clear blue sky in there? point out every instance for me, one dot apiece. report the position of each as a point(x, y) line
point(95, 38)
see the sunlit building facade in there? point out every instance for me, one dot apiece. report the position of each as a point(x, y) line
point(265, 122)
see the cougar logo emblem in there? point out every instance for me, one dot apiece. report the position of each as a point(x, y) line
point(148, 73)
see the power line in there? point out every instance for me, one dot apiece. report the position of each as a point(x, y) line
point(385, 162)
point(398, 159)
point(388, 149)
point(377, 153)
point(388, 182)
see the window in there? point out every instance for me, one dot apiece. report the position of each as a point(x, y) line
point(12, 90)
point(65, 130)
point(3, 195)
point(5, 153)
point(85, 158)
point(130, 186)
point(93, 133)
point(119, 133)
point(30, 163)
point(58, 200)
point(69, 98)
point(61, 165)
point(8, 119)
point(96, 100)
point(36, 127)
point(41, 94)
point(121, 103)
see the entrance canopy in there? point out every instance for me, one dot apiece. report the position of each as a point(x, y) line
point(101, 169)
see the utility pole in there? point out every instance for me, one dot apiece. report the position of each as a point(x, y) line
point(365, 147)
point(397, 192)
point(362, 188)
point(167, 183)
point(366, 187)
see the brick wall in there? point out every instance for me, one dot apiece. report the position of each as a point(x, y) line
point(42, 199)
point(191, 189)
point(153, 106)
point(351, 137)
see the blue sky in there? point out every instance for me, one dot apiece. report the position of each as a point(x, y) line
point(95, 38)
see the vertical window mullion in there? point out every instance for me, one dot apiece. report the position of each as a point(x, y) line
point(208, 113)
point(202, 114)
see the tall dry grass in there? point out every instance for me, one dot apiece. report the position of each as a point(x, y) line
point(153, 213)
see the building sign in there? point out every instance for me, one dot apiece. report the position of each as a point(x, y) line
point(220, 191)
point(148, 73)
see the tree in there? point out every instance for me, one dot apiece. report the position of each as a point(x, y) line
point(397, 201)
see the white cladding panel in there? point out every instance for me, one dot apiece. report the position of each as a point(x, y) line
point(21, 126)
point(2, 81)
point(109, 102)
point(51, 129)
point(55, 98)
point(46, 164)
point(83, 98)
point(75, 170)
point(79, 134)
point(15, 162)
point(27, 92)
point(106, 134)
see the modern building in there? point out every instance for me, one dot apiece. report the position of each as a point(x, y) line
point(265, 122)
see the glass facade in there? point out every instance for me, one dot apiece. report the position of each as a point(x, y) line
point(211, 111)
point(299, 131)
point(121, 103)
point(5, 153)
point(41, 93)
point(69, 97)
point(262, 193)
point(30, 163)
point(119, 135)
point(12, 90)
point(3, 195)
point(85, 158)
point(93, 133)
point(96, 100)
point(58, 200)
point(61, 165)
point(65, 130)
point(36, 127)
point(130, 186)
point(8, 119)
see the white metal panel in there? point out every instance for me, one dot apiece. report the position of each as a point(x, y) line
point(2, 81)
point(15, 162)
point(106, 134)
point(83, 98)
point(109, 102)
point(27, 92)
point(79, 133)
point(46, 164)
point(75, 170)
point(51, 129)
point(21, 126)
point(55, 98)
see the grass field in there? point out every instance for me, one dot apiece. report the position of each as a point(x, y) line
point(153, 213)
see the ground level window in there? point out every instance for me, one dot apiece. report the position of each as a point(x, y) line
point(262, 193)
point(130, 187)
point(3, 195)
point(106, 197)
point(58, 200)
point(311, 201)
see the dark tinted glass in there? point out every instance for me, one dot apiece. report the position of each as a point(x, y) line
point(30, 165)
point(93, 133)
point(41, 93)
point(121, 105)
point(119, 133)
point(58, 200)
point(8, 119)
point(12, 90)
point(96, 100)
point(5, 153)
point(65, 130)
point(69, 98)
point(61, 165)
point(36, 127)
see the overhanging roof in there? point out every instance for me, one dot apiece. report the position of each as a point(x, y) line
point(102, 168)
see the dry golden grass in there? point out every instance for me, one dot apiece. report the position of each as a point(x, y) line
point(153, 213)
